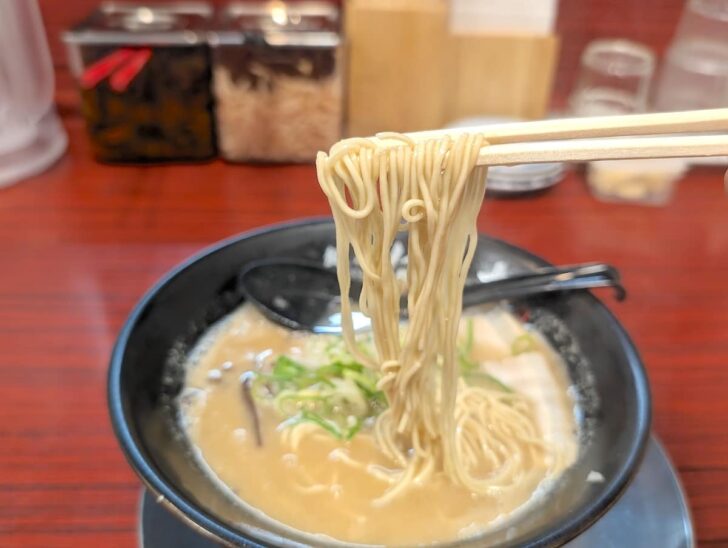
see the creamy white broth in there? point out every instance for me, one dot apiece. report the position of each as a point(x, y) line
point(286, 484)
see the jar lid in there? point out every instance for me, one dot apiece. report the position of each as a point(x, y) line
point(175, 23)
point(279, 24)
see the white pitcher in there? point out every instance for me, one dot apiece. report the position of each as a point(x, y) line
point(31, 137)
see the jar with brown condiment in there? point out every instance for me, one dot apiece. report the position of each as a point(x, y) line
point(144, 77)
point(277, 80)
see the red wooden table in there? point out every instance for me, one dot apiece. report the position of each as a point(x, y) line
point(80, 243)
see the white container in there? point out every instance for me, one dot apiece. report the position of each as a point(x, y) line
point(645, 182)
point(31, 137)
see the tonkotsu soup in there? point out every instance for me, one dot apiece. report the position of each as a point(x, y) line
point(311, 459)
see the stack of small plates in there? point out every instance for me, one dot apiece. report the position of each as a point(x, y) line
point(520, 178)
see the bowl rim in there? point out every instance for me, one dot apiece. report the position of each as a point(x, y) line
point(196, 517)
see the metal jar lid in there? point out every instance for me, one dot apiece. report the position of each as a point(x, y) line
point(128, 23)
point(279, 24)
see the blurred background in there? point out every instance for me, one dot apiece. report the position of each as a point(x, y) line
point(256, 82)
point(121, 158)
point(577, 22)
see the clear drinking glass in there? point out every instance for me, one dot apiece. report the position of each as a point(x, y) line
point(695, 70)
point(30, 135)
point(614, 78)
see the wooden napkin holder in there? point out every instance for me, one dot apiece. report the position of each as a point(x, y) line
point(407, 72)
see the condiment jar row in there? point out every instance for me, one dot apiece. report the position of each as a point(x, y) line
point(254, 82)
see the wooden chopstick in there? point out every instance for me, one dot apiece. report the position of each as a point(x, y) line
point(690, 121)
point(604, 149)
point(596, 138)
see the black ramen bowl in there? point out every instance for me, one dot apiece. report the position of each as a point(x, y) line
point(146, 374)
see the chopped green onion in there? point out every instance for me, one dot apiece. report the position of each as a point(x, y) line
point(353, 428)
point(287, 368)
point(342, 433)
point(470, 368)
point(486, 380)
point(466, 364)
point(464, 352)
point(367, 383)
point(289, 402)
point(338, 396)
point(523, 343)
point(469, 336)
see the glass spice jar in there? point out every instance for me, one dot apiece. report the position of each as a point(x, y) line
point(277, 80)
point(144, 77)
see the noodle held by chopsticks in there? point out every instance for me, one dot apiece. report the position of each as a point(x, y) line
point(481, 438)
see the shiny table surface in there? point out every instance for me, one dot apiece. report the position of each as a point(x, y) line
point(81, 243)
